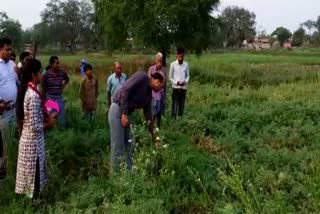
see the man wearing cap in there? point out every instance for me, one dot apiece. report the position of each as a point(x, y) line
point(8, 96)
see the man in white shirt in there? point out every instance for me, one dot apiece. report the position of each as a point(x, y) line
point(179, 76)
point(8, 96)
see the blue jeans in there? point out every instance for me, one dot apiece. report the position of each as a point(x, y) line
point(61, 117)
point(158, 106)
point(7, 122)
point(121, 145)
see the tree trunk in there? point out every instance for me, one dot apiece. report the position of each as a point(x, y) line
point(164, 53)
point(61, 45)
point(71, 47)
point(35, 49)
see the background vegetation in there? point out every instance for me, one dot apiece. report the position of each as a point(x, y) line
point(249, 143)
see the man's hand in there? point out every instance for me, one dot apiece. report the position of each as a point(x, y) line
point(124, 120)
point(64, 84)
point(17, 70)
point(51, 122)
point(178, 83)
point(54, 115)
point(150, 129)
point(4, 105)
point(157, 143)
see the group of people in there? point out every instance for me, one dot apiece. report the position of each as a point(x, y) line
point(147, 92)
point(26, 90)
point(23, 107)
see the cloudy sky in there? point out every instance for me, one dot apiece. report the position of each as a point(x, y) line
point(270, 13)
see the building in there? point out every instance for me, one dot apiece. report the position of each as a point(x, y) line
point(256, 44)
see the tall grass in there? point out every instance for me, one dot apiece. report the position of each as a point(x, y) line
point(248, 143)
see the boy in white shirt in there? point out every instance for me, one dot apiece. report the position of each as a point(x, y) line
point(179, 76)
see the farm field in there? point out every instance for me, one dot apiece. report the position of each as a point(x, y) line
point(249, 143)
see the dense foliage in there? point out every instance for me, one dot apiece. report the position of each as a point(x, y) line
point(157, 24)
point(10, 28)
point(239, 25)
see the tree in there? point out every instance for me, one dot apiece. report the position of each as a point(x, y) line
point(309, 24)
point(52, 17)
point(156, 23)
point(11, 29)
point(89, 32)
point(71, 18)
point(63, 19)
point(69, 22)
point(282, 34)
point(299, 36)
point(113, 23)
point(315, 38)
point(27, 36)
point(239, 25)
point(217, 37)
point(41, 34)
point(317, 24)
point(3, 16)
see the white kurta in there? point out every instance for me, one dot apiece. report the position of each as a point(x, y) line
point(31, 146)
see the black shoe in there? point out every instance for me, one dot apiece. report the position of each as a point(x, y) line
point(3, 175)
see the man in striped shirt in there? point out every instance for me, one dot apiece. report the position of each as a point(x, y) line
point(53, 84)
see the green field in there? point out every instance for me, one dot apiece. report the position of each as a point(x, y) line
point(249, 143)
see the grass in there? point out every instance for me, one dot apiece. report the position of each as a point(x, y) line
point(249, 143)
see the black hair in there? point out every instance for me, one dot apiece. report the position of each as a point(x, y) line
point(32, 67)
point(23, 55)
point(157, 76)
point(87, 67)
point(5, 41)
point(180, 50)
point(13, 55)
point(52, 59)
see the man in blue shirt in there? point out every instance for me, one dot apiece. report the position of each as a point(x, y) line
point(8, 96)
point(115, 82)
